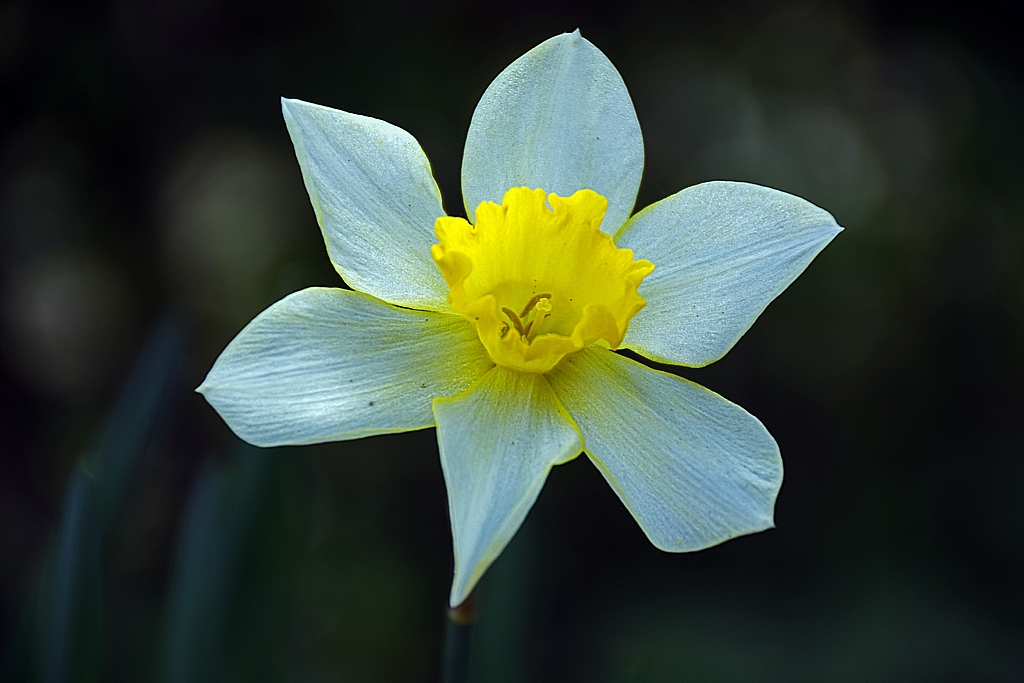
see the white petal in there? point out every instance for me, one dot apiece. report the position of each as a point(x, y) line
point(692, 468)
point(330, 364)
point(558, 118)
point(722, 251)
point(375, 199)
point(498, 441)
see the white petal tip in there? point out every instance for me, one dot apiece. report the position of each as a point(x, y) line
point(459, 594)
point(291, 104)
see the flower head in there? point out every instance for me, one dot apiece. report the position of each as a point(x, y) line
point(500, 330)
point(539, 282)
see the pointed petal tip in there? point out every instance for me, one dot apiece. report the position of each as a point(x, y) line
point(457, 597)
point(463, 585)
point(204, 386)
point(288, 107)
point(498, 440)
point(293, 105)
point(833, 225)
point(594, 143)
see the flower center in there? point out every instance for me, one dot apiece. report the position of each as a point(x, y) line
point(539, 282)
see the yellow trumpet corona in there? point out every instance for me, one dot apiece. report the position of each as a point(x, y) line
point(537, 276)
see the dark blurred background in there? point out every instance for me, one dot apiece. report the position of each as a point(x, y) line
point(150, 205)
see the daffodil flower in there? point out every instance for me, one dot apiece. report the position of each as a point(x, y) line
point(500, 330)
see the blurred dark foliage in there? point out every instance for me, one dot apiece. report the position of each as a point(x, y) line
point(150, 206)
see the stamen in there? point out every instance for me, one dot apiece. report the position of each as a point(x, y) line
point(514, 318)
point(533, 302)
point(504, 331)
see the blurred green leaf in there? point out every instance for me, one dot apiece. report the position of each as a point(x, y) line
point(120, 446)
point(71, 647)
point(222, 608)
point(66, 642)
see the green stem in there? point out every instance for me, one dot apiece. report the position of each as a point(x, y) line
point(457, 631)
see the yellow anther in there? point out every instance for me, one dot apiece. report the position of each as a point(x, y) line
point(533, 302)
